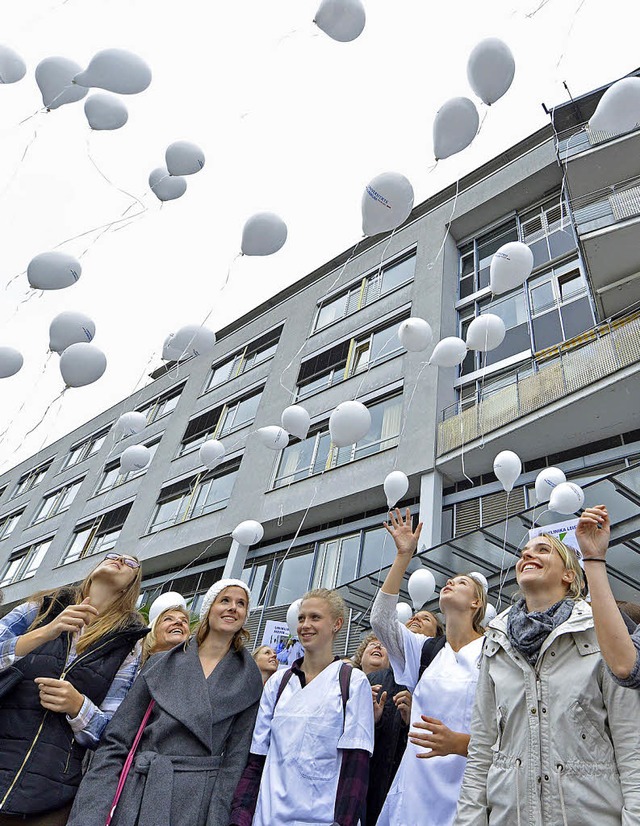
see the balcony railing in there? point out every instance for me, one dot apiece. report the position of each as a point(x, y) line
point(552, 375)
point(580, 138)
point(607, 206)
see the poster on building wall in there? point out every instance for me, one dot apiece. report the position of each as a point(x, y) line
point(277, 636)
point(564, 531)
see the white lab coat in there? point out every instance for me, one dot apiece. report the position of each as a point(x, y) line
point(302, 739)
point(425, 792)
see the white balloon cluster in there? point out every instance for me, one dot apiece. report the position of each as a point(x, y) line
point(181, 158)
point(70, 334)
point(190, 340)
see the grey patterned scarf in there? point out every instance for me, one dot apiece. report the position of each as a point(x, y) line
point(527, 632)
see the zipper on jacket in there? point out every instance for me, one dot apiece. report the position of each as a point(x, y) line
point(66, 765)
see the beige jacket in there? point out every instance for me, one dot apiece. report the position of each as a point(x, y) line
point(554, 745)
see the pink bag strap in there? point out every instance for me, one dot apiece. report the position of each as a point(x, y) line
point(128, 762)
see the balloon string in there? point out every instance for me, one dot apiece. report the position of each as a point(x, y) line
point(503, 575)
point(193, 561)
point(20, 163)
point(568, 34)
point(34, 389)
point(44, 416)
point(108, 180)
point(448, 224)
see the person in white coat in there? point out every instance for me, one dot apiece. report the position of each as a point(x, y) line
point(314, 733)
point(554, 740)
point(426, 786)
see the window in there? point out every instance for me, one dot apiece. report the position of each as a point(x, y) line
point(24, 563)
point(369, 289)
point(58, 501)
point(85, 449)
point(30, 479)
point(290, 578)
point(112, 477)
point(512, 309)
point(560, 305)
point(254, 353)
point(315, 453)
point(337, 561)
point(8, 523)
point(97, 535)
point(221, 420)
point(163, 405)
point(195, 496)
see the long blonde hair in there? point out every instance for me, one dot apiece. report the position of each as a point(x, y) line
point(240, 638)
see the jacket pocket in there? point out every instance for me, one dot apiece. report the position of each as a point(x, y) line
point(500, 722)
point(318, 752)
point(69, 754)
point(589, 729)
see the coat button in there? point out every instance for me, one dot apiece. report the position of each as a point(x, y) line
point(553, 653)
point(534, 711)
point(546, 777)
point(544, 710)
point(539, 779)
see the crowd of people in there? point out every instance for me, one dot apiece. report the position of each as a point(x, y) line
point(531, 720)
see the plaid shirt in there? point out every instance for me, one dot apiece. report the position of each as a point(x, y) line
point(91, 720)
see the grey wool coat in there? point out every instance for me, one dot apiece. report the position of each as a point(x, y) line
point(193, 749)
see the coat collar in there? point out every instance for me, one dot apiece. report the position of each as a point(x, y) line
point(581, 619)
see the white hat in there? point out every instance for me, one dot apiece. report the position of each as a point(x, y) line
point(172, 599)
point(215, 589)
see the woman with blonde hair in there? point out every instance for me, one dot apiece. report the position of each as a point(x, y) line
point(553, 738)
point(169, 624)
point(267, 661)
point(175, 750)
point(67, 659)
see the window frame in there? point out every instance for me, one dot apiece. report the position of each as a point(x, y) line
point(122, 478)
point(86, 448)
point(33, 477)
point(239, 359)
point(28, 562)
point(5, 521)
point(60, 504)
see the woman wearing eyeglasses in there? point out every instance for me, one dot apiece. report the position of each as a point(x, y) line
point(67, 659)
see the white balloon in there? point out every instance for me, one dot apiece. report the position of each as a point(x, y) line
point(486, 332)
point(116, 70)
point(404, 612)
point(387, 202)
point(263, 234)
point(249, 532)
point(489, 615)
point(292, 617)
point(510, 267)
point(449, 352)
point(342, 20)
point(171, 599)
point(273, 437)
point(166, 187)
point(296, 421)
point(69, 328)
point(567, 497)
point(546, 481)
point(135, 457)
point(184, 158)
point(12, 66)
point(349, 422)
point(53, 271)
point(395, 486)
point(455, 126)
point(11, 362)
point(54, 76)
point(619, 108)
point(130, 423)
point(481, 578)
point(415, 334)
point(490, 69)
point(82, 364)
point(422, 587)
point(211, 453)
point(105, 112)
point(190, 340)
point(507, 467)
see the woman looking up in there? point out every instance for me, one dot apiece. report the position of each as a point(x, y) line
point(267, 661)
point(169, 621)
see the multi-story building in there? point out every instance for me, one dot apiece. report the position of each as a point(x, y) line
point(562, 389)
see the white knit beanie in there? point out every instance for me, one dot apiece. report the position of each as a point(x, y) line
point(215, 589)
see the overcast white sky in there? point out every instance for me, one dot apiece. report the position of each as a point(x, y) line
point(290, 121)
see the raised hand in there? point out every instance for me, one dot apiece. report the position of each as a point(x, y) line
point(378, 703)
point(403, 701)
point(404, 537)
point(593, 532)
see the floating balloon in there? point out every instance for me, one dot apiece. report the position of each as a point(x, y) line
point(105, 112)
point(486, 332)
point(53, 271)
point(273, 437)
point(130, 423)
point(263, 234)
point(54, 76)
point(172, 599)
point(415, 334)
point(11, 362)
point(342, 20)
point(135, 457)
point(296, 421)
point(619, 108)
point(82, 364)
point(349, 422)
point(422, 587)
point(490, 69)
point(12, 66)
point(507, 467)
point(190, 340)
point(404, 612)
point(69, 328)
point(292, 617)
point(116, 70)
point(481, 578)
point(248, 533)
point(184, 158)
point(395, 486)
point(387, 202)
point(489, 615)
point(510, 267)
point(449, 352)
point(567, 497)
point(455, 126)
point(166, 187)
point(211, 453)
point(546, 481)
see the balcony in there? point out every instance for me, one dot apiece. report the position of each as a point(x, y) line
point(585, 388)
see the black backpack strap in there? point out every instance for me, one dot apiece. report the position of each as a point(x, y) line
point(429, 650)
point(345, 680)
point(288, 674)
